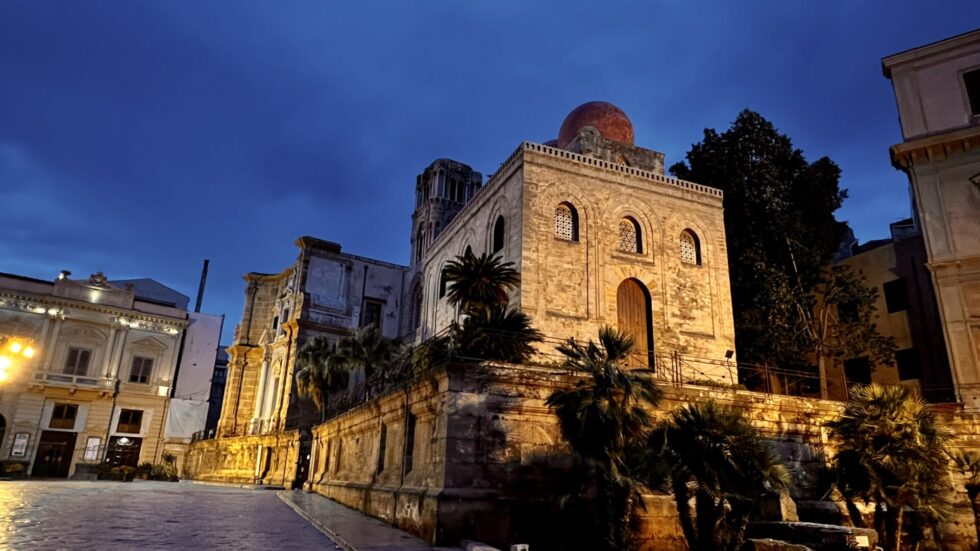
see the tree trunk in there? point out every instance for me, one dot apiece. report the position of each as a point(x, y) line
point(682, 498)
point(822, 373)
point(898, 528)
point(708, 513)
point(973, 491)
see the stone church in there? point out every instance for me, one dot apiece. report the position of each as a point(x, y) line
point(599, 234)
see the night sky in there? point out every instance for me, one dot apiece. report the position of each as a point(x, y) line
point(139, 138)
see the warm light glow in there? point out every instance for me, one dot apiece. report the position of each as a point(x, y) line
point(4, 363)
point(28, 352)
point(3, 375)
point(16, 347)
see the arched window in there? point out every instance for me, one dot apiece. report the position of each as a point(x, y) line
point(417, 310)
point(498, 234)
point(443, 283)
point(566, 222)
point(630, 238)
point(690, 248)
point(419, 240)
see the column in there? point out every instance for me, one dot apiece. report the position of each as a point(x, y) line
point(47, 351)
point(113, 365)
point(110, 349)
point(260, 392)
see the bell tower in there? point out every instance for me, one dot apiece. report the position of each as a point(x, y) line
point(441, 191)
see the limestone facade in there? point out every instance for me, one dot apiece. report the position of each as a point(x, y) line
point(60, 408)
point(936, 88)
point(325, 293)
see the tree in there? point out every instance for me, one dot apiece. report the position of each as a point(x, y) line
point(838, 322)
point(367, 350)
point(968, 463)
point(605, 419)
point(491, 331)
point(479, 283)
point(715, 456)
point(780, 228)
point(320, 372)
point(892, 452)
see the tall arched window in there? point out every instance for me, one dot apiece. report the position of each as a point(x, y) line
point(419, 241)
point(498, 234)
point(566, 222)
point(630, 238)
point(690, 248)
point(417, 309)
point(443, 283)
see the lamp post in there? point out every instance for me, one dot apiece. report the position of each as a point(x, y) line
point(12, 349)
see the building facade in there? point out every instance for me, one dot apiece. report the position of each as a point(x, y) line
point(99, 386)
point(937, 88)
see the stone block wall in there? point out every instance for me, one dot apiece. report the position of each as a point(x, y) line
point(268, 459)
point(489, 463)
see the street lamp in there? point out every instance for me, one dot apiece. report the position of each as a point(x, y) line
point(12, 348)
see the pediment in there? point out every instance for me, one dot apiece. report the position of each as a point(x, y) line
point(149, 343)
point(84, 333)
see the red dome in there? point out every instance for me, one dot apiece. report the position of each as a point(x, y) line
point(608, 119)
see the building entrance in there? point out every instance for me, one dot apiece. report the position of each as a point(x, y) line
point(633, 307)
point(54, 452)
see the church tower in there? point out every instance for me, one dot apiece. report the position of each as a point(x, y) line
point(441, 191)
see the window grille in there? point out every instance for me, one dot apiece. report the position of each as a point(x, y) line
point(629, 236)
point(689, 249)
point(566, 223)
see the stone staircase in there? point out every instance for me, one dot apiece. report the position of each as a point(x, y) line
point(807, 525)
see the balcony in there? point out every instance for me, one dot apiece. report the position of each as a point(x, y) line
point(67, 380)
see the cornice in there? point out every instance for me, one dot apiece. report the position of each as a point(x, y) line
point(936, 148)
point(33, 304)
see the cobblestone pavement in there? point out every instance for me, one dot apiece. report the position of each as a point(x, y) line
point(53, 515)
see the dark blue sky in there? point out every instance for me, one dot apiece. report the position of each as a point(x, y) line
point(139, 138)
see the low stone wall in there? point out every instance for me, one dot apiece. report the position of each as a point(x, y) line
point(474, 453)
point(268, 459)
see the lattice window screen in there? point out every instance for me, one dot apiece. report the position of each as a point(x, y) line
point(689, 249)
point(628, 241)
point(564, 223)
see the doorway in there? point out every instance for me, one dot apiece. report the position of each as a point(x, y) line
point(124, 451)
point(54, 452)
point(633, 309)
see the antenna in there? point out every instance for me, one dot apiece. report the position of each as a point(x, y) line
point(200, 289)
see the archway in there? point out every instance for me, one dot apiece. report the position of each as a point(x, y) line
point(634, 308)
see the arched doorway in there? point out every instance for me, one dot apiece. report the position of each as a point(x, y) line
point(633, 308)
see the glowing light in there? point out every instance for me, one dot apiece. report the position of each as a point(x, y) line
point(28, 352)
point(16, 347)
point(3, 375)
point(4, 363)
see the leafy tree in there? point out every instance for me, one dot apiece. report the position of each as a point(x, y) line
point(320, 371)
point(892, 452)
point(605, 419)
point(838, 321)
point(715, 456)
point(781, 232)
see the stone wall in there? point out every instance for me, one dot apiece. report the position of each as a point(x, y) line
point(268, 459)
point(488, 462)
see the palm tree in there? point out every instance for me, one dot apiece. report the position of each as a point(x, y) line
point(320, 371)
point(892, 451)
point(479, 283)
point(605, 418)
point(713, 454)
point(968, 463)
point(367, 350)
point(497, 335)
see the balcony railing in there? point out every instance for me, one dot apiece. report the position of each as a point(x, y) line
point(65, 379)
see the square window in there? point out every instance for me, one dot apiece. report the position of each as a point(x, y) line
point(63, 416)
point(858, 370)
point(972, 81)
point(139, 371)
point(130, 421)
point(372, 312)
point(76, 363)
point(908, 364)
point(896, 296)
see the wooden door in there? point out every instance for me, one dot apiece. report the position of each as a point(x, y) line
point(54, 453)
point(633, 312)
